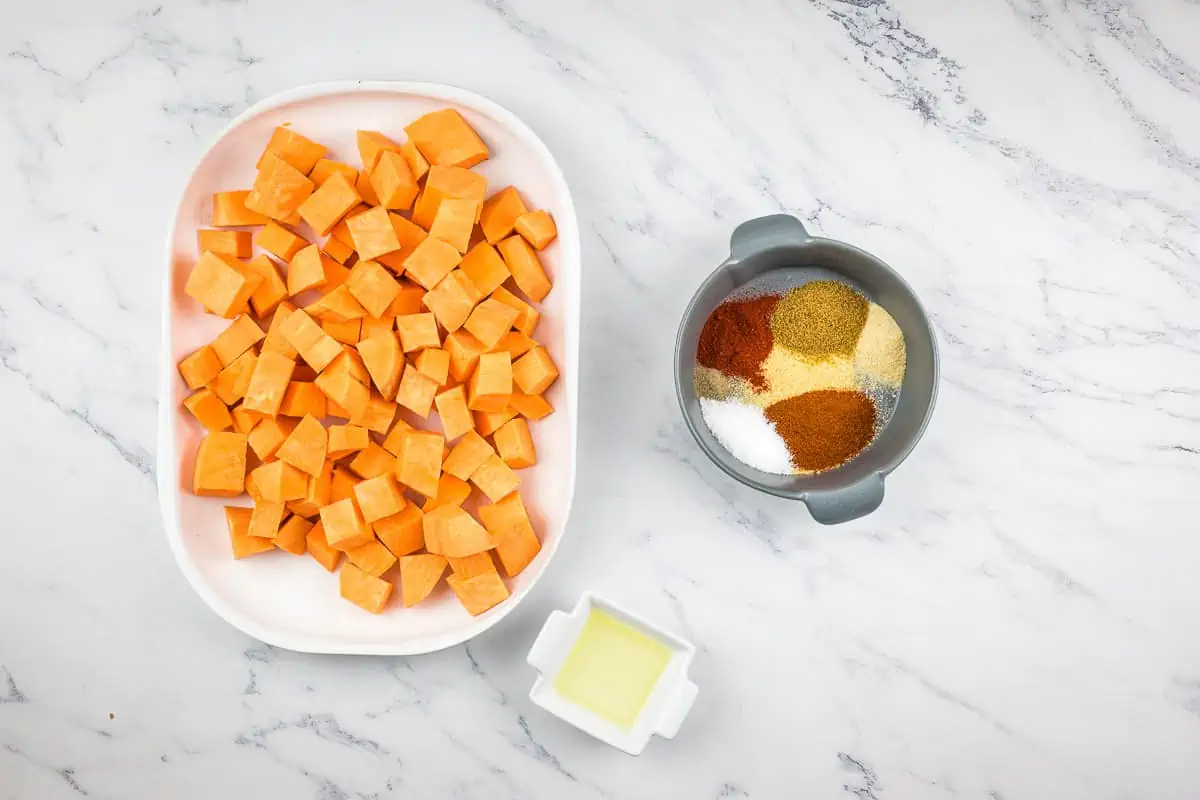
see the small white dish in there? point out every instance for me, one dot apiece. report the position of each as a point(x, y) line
point(665, 709)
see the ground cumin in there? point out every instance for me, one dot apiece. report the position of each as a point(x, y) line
point(736, 338)
point(825, 428)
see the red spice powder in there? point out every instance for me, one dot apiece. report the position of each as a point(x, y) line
point(825, 428)
point(737, 338)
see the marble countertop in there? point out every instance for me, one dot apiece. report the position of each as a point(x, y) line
point(1018, 620)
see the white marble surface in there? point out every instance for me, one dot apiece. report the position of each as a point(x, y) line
point(1020, 618)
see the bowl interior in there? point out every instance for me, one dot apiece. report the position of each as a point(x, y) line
point(883, 286)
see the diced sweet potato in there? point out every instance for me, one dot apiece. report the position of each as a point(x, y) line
point(314, 345)
point(378, 415)
point(341, 231)
point(401, 533)
point(275, 341)
point(319, 492)
point(451, 492)
point(490, 384)
point(297, 150)
point(351, 362)
point(292, 535)
point(534, 371)
point(342, 485)
point(231, 243)
point(384, 362)
point(242, 334)
point(435, 363)
point(454, 221)
point(302, 398)
point(420, 464)
point(347, 439)
point(452, 300)
point(480, 592)
point(363, 589)
point(375, 326)
point(346, 391)
point(338, 250)
point(344, 526)
point(515, 343)
point(305, 447)
point(522, 261)
point(395, 437)
point(266, 519)
point(527, 316)
point(373, 287)
point(238, 521)
point(229, 210)
point(486, 269)
point(490, 320)
point(371, 144)
point(417, 163)
point(272, 291)
point(325, 207)
point(208, 409)
point(325, 169)
point(470, 566)
point(393, 181)
point(452, 409)
point(509, 525)
point(243, 420)
point(416, 391)
point(335, 273)
point(372, 558)
point(418, 331)
point(337, 305)
point(530, 406)
point(537, 228)
point(279, 241)
point(268, 384)
point(450, 531)
point(372, 462)
point(221, 465)
point(319, 548)
point(467, 456)
point(221, 284)
point(431, 261)
point(495, 478)
point(268, 436)
point(408, 301)
point(464, 350)
point(515, 445)
point(279, 188)
point(444, 137)
point(409, 236)
point(447, 181)
point(364, 188)
point(200, 368)
point(373, 233)
point(499, 213)
point(419, 576)
point(231, 383)
point(379, 497)
point(488, 422)
point(278, 482)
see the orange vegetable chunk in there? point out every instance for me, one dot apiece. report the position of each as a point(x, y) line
point(454, 221)
point(314, 345)
point(220, 468)
point(417, 164)
point(418, 331)
point(490, 320)
point(450, 531)
point(395, 437)
point(266, 519)
point(534, 371)
point(452, 408)
point(374, 326)
point(269, 435)
point(278, 482)
point(451, 492)
point(231, 383)
point(242, 334)
point(435, 363)
point(508, 523)
point(337, 305)
point(393, 181)
point(338, 250)
point(325, 207)
point(208, 409)
point(229, 210)
point(486, 269)
point(373, 233)
point(305, 447)
point(302, 398)
point(419, 576)
point(243, 420)
point(231, 243)
point(293, 534)
point(527, 316)
point(420, 463)
point(200, 368)
point(537, 228)
point(479, 592)
point(416, 391)
point(495, 478)
point(379, 497)
point(378, 415)
point(409, 236)
point(306, 270)
point(371, 144)
point(268, 384)
point(363, 589)
point(499, 213)
point(490, 384)
point(467, 456)
point(272, 291)
point(401, 533)
point(473, 565)
point(317, 493)
point(342, 485)
point(279, 188)
point(319, 548)
point(452, 300)
point(444, 137)
point(515, 343)
point(325, 169)
point(530, 406)
point(373, 287)
point(344, 526)
point(237, 519)
point(488, 422)
point(347, 439)
point(431, 261)
point(515, 445)
point(447, 181)
point(221, 284)
point(372, 462)
point(279, 241)
point(297, 150)
point(384, 362)
point(464, 350)
point(372, 558)
point(522, 261)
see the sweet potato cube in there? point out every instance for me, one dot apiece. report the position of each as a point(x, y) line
point(376, 326)
point(266, 519)
point(344, 526)
point(306, 270)
point(417, 163)
point(435, 363)
point(470, 566)
point(407, 302)
point(371, 144)
point(490, 320)
point(305, 447)
point(302, 398)
point(452, 408)
point(237, 519)
point(208, 409)
point(491, 383)
point(268, 383)
point(499, 213)
point(419, 576)
point(454, 222)
point(527, 316)
point(271, 291)
point(275, 340)
point(279, 241)
point(319, 548)
point(347, 439)
point(431, 261)
point(534, 371)
point(420, 463)
point(479, 592)
point(325, 169)
point(384, 362)
point(373, 233)
point(378, 415)
point(379, 497)
point(341, 231)
point(364, 188)
point(372, 461)
point(346, 391)
point(268, 436)
point(451, 492)
point(229, 210)
point(395, 437)
point(486, 269)
point(447, 181)
point(325, 207)
point(278, 482)
point(373, 287)
point(401, 533)
point(243, 420)
point(242, 334)
point(464, 350)
point(393, 181)
point(372, 558)
point(363, 589)
point(231, 383)
point(292, 534)
point(319, 492)
point(200, 368)
point(537, 228)
point(515, 445)
point(450, 531)
point(522, 261)
point(221, 465)
point(231, 243)
point(335, 273)
point(336, 305)
point(452, 300)
point(314, 345)
point(444, 137)
point(341, 486)
point(467, 456)
point(530, 406)
point(409, 235)
point(279, 188)
point(351, 362)
point(515, 343)
point(418, 331)
point(495, 478)
point(299, 151)
point(221, 284)
point(508, 523)
point(416, 391)
point(338, 250)
point(488, 422)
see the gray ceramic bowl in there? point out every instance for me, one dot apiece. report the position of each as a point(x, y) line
point(856, 487)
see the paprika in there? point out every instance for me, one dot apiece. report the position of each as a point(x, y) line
point(737, 338)
point(825, 428)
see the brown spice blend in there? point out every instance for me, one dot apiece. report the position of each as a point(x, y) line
point(825, 428)
point(737, 338)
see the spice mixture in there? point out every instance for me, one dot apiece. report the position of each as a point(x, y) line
point(798, 373)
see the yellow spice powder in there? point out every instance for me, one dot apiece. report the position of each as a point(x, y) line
point(880, 354)
point(789, 374)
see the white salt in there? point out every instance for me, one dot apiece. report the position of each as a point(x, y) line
point(747, 434)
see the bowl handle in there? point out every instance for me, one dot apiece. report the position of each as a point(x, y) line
point(835, 506)
point(756, 235)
